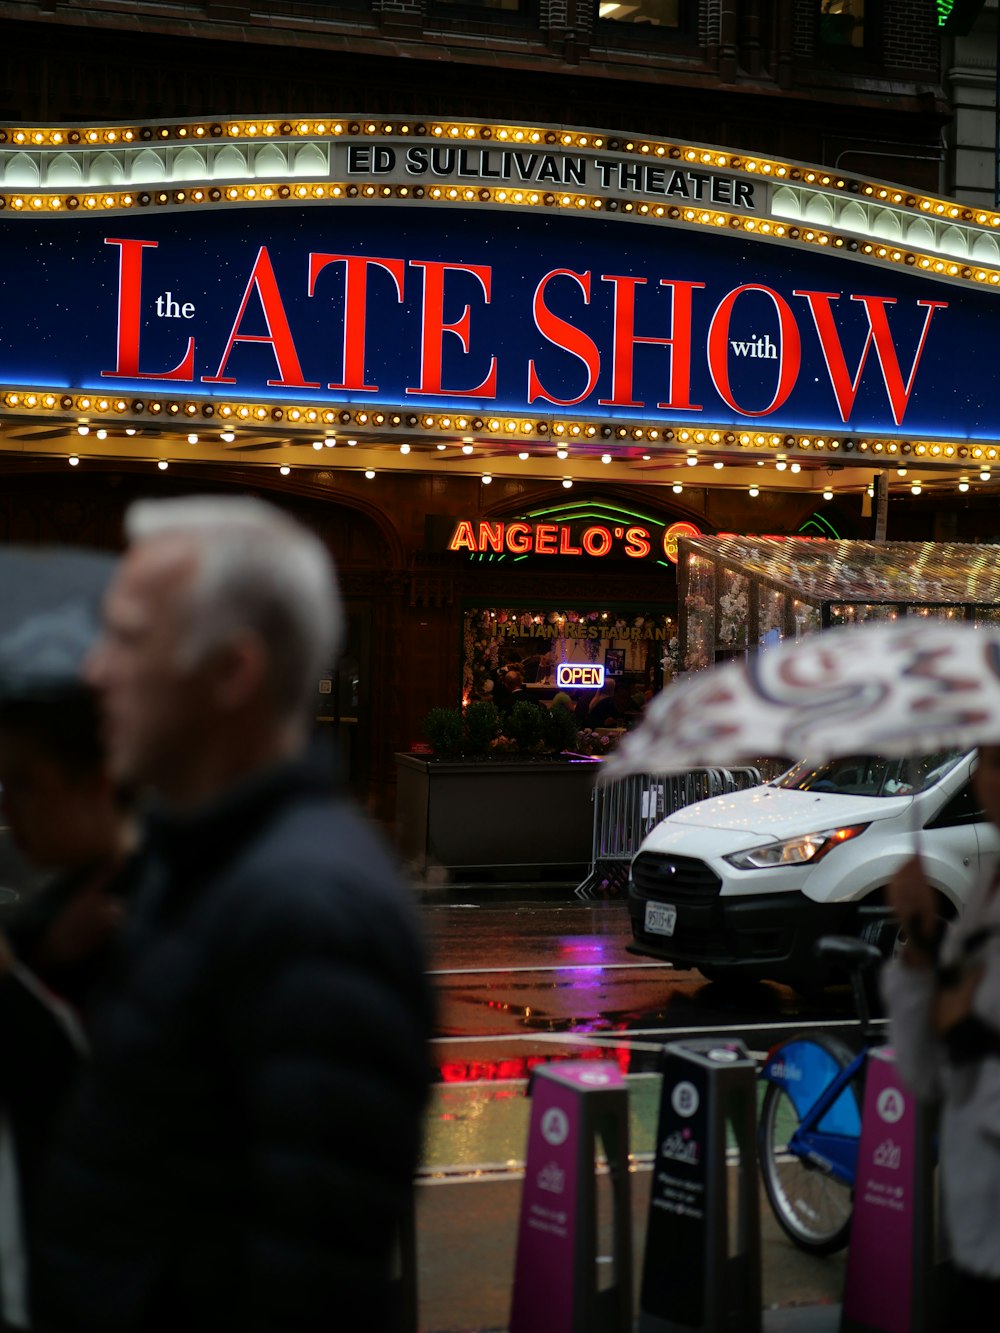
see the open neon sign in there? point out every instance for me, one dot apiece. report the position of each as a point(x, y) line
point(572, 676)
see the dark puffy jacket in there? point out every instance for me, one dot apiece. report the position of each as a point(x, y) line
point(242, 1148)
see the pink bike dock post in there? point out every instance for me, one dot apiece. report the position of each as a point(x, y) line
point(701, 1269)
point(575, 1104)
point(890, 1260)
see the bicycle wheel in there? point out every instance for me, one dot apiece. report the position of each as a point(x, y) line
point(812, 1207)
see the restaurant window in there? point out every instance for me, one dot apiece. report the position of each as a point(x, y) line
point(636, 646)
point(483, 8)
point(656, 13)
point(842, 25)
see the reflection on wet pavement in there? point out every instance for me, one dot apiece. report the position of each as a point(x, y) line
point(520, 985)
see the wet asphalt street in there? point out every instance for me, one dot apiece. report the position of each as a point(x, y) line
point(523, 982)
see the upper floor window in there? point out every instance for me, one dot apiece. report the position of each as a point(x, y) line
point(659, 13)
point(505, 6)
point(842, 24)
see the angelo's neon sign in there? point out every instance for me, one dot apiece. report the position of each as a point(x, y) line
point(632, 540)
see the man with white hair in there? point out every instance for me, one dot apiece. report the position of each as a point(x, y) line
point(240, 1154)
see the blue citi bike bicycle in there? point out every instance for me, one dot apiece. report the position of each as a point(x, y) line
point(810, 1119)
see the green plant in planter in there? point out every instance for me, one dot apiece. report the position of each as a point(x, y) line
point(559, 729)
point(482, 725)
point(525, 726)
point(443, 728)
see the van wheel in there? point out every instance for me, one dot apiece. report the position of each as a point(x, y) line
point(889, 938)
point(886, 935)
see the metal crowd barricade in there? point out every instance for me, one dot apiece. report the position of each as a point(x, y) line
point(625, 810)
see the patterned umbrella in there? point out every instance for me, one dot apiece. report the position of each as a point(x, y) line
point(897, 689)
point(49, 605)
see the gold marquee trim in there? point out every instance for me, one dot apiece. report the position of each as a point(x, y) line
point(94, 409)
point(754, 166)
point(299, 192)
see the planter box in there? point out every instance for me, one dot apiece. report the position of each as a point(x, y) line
point(495, 818)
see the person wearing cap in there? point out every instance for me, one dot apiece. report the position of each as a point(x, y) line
point(240, 1151)
point(73, 826)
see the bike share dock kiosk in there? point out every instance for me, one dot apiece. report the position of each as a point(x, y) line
point(890, 1262)
point(701, 1269)
point(575, 1104)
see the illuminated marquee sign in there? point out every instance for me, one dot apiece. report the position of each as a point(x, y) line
point(633, 540)
point(574, 676)
point(298, 273)
point(317, 314)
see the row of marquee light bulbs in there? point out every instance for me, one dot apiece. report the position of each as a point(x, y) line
point(329, 441)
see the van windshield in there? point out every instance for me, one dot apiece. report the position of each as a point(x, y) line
point(871, 774)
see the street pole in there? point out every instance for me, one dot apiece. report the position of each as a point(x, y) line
point(881, 504)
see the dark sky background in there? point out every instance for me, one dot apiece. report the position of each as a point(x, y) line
point(59, 294)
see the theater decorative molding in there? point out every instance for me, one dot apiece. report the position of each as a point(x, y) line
point(485, 176)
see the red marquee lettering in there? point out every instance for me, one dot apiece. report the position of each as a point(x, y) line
point(625, 339)
point(356, 308)
point(433, 328)
point(278, 336)
point(129, 318)
point(789, 353)
point(844, 387)
point(565, 335)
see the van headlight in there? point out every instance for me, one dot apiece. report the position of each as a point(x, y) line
point(794, 851)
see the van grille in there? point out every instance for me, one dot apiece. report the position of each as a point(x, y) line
point(675, 879)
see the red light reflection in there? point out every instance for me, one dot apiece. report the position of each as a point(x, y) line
point(520, 1066)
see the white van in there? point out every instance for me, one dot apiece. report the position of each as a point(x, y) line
point(743, 885)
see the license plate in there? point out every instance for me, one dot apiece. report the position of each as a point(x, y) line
point(661, 918)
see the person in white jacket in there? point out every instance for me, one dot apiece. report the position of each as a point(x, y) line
point(944, 1011)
